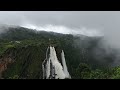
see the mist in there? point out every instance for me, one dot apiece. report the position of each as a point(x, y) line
point(65, 30)
point(89, 23)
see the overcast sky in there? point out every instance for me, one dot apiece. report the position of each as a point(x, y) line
point(94, 19)
point(85, 22)
point(75, 19)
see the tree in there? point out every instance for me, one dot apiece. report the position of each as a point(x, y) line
point(83, 71)
point(116, 73)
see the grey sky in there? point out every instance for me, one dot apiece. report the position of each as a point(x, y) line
point(93, 19)
point(106, 21)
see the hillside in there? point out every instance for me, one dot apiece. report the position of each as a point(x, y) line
point(23, 50)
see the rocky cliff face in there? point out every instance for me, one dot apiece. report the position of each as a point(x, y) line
point(23, 62)
point(4, 62)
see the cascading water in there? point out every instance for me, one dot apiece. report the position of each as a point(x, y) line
point(52, 68)
point(67, 75)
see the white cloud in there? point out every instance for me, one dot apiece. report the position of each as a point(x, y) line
point(65, 30)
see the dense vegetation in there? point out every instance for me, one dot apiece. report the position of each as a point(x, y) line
point(28, 47)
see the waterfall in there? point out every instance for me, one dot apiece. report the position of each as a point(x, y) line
point(58, 67)
point(52, 68)
point(44, 64)
point(67, 75)
point(48, 69)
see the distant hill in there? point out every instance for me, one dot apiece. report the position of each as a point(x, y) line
point(26, 48)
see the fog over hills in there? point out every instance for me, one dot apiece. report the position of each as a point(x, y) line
point(90, 37)
point(83, 22)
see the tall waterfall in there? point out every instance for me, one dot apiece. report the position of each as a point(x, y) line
point(52, 68)
point(67, 75)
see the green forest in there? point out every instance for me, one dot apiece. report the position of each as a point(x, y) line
point(27, 48)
